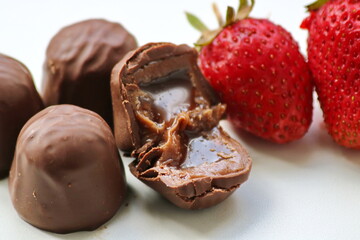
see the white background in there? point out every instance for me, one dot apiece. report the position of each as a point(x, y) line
point(309, 189)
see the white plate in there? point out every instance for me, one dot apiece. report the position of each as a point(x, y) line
point(309, 189)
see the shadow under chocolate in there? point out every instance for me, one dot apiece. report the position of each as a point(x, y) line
point(239, 213)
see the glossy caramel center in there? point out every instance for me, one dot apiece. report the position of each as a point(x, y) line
point(171, 94)
point(206, 148)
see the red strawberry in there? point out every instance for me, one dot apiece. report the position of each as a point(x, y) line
point(258, 71)
point(334, 58)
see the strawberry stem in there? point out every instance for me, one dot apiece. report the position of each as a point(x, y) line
point(316, 5)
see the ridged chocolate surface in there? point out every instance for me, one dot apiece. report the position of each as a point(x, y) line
point(67, 174)
point(78, 64)
point(19, 101)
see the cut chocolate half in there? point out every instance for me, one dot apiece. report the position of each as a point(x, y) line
point(167, 115)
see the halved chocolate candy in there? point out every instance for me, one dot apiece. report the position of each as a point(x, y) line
point(166, 113)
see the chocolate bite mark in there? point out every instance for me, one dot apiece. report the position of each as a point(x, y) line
point(166, 113)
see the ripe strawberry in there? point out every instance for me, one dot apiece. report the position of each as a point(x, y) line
point(334, 58)
point(258, 71)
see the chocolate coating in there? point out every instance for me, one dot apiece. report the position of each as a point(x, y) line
point(78, 64)
point(166, 113)
point(67, 174)
point(19, 101)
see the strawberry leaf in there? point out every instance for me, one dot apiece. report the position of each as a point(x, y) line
point(230, 16)
point(207, 37)
point(218, 15)
point(196, 22)
point(316, 5)
point(244, 9)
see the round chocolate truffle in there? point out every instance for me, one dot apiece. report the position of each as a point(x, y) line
point(78, 64)
point(19, 101)
point(67, 174)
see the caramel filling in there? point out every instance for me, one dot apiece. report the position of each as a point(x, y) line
point(174, 116)
point(206, 148)
point(171, 95)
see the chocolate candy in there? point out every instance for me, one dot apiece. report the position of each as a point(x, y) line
point(19, 101)
point(166, 113)
point(67, 174)
point(78, 64)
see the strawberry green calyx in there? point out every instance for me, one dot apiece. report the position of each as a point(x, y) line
point(312, 9)
point(196, 22)
point(244, 9)
point(316, 5)
point(207, 35)
point(218, 15)
point(230, 16)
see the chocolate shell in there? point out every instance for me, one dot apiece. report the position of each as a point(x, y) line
point(67, 174)
point(19, 101)
point(168, 116)
point(78, 64)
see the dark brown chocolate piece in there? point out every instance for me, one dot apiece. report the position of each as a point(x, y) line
point(67, 174)
point(19, 101)
point(78, 65)
point(166, 113)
